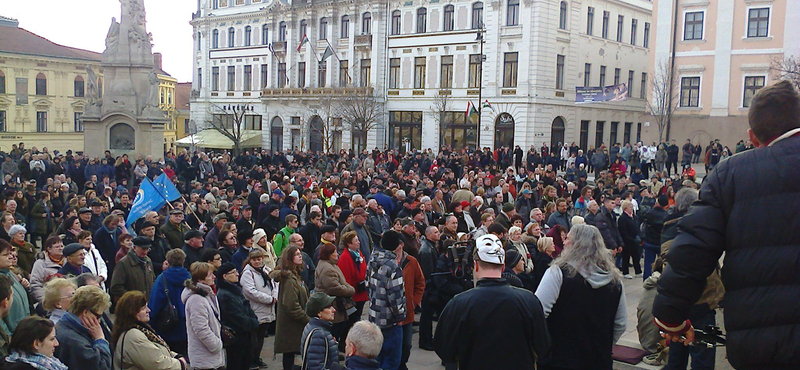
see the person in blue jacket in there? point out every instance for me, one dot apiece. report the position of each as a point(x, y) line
point(170, 280)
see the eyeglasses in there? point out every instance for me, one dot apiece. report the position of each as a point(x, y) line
point(217, 258)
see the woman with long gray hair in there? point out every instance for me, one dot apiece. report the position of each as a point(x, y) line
point(583, 334)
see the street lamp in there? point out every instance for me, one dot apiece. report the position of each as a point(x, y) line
point(479, 37)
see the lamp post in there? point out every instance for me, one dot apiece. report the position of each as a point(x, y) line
point(480, 38)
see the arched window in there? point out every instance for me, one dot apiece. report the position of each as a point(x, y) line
point(248, 33)
point(303, 28)
point(422, 19)
point(345, 31)
point(215, 39)
point(477, 15)
point(562, 16)
point(78, 84)
point(41, 84)
point(396, 22)
point(366, 24)
point(282, 31)
point(264, 35)
point(231, 36)
point(449, 21)
point(323, 29)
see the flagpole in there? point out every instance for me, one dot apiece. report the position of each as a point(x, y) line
point(159, 193)
point(190, 209)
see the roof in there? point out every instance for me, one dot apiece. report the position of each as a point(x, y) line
point(182, 92)
point(21, 41)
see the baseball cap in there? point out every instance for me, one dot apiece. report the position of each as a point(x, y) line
point(489, 249)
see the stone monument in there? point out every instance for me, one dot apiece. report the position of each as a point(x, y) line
point(125, 118)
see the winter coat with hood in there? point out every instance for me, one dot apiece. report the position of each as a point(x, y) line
point(322, 350)
point(235, 309)
point(291, 317)
point(42, 268)
point(261, 291)
point(583, 335)
point(174, 277)
point(330, 280)
point(203, 326)
point(386, 289)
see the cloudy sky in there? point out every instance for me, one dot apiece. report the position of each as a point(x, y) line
point(84, 24)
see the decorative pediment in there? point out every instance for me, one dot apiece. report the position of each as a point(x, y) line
point(42, 103)
point(4, 102)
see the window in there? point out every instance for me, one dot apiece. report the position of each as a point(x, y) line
point(264, 35)
point(282, 31)
point(78, 124)
point(344, 74)
point(512, 13)
point(199, 78)
point(630, 83)
point(301, 74)
point(449, 22)
point(215, 4)
point(634, 26)
point(690, 91)
point(323, 73)
point(602, 76)
point(2, 83)
point(323, 29)
point(303, 31)
point(758, 22)
point(2, 121)
point(584, 135)
point(41, 121)
point(264, 75)
point(422, 19)
point(693, 26)
point(419, 72)
point(474, 70)
point(560, 72)
point(751, 85)
point(646, 39)
point(458, 130)
point(643, 87)
point(477, 15)
point(366, 24)
point(366, 69)
point(626, 135)
point(447, 72)
point(199, 41)
point(598, 133)
point(562, 16)
point(231, 36)
point(587, 74)
point(282, 77)
point(396, 22)
point(590, 21)
point(606, 15)
point(41, 84)
point(248, 78)
point(620, 23)
point(214, 78)
point(345, 32)
point(248, 34)
point(394, 73)
point(617, 71)
point(231, 78)
point(510, 70)
point(215, 39)
point(78, 87)
point(638, 132)
point(612, 135)
point(405, 127)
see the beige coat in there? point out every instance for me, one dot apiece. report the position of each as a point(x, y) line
point(328, 279)
point(141, 353)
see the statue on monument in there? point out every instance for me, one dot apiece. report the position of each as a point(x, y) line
point(151, 108)
point(112, 38)
point(92, 92)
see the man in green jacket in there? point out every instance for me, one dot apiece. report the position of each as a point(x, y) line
point(175, 228)
point(281, 239)
point(134, 271)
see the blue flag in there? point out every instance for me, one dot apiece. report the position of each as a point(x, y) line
point(166, 188)
point(147, 199)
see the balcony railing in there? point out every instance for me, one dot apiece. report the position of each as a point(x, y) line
point(364, 41)
point(279, 47)
point(314, 91)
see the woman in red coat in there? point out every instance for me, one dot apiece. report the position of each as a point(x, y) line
point(354, 268)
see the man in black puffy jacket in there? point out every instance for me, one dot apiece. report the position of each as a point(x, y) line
point(762, 286)
point(606, 222)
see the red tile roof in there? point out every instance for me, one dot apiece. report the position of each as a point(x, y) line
point(182, 92)
point(21, 41)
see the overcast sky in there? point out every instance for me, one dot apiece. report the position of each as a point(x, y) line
point(84, 24)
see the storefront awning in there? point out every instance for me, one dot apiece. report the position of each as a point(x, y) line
point(211, 138)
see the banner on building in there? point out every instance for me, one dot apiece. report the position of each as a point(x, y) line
point(585, 95)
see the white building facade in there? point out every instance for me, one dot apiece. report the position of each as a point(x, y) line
point(422, 61)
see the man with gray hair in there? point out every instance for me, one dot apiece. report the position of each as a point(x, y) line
point(362, 346)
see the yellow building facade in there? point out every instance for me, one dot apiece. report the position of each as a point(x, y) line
point(44, 89)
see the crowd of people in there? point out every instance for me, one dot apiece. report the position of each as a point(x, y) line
point(295, 244)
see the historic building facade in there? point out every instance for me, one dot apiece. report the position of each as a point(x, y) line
point(724, 51)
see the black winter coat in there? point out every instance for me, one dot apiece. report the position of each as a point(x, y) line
point(605, 222)
point(234, 308)
point(762, 255)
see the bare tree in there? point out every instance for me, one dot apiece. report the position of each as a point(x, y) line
point(229, 120)
point(331, 123)
point(663, 100)
point(440, 107)
point(359, 109)
point(787, 68)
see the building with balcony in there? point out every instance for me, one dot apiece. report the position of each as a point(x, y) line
point(724, 51)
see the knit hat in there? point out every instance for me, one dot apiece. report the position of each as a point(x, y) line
point(71, 249)
point(318, 302)
point(512, 258)
point(391, 240)
point(258, 234)
point(327, 229)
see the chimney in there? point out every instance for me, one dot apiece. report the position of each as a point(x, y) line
point(157, 61)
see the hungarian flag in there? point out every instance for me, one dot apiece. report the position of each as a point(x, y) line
point(303, 41)
point(328, 52)
point(470, 109)
point(487, 105)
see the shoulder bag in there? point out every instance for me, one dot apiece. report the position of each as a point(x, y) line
point(167, 318)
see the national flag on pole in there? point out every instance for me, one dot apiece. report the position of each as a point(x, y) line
point(269, 47)
point(166, 188)
point(327, 54)
point(303, 41)
point(470, 109)
point(147, 199)
point(487, 105)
